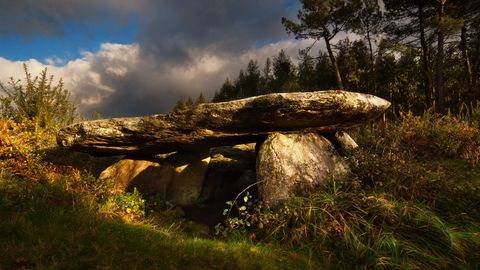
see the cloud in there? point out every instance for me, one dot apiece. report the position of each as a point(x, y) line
point(119, 81)
point(49, 17)
point(183, 48)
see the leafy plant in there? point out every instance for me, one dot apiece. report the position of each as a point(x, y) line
point(38, 100)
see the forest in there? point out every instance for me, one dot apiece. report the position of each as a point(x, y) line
point(419, 55)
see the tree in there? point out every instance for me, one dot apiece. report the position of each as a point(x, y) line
point(180, 105)
point(249, 81)
point(446, 25)
point(323, 20)
point(324, 73)
point(408, 24)
point(226, 92)
point(38, 100)
point(267, 77)
point(367, 22)
point(306, 71)
point(200, 99)
point(353, 60)
point(283, 73)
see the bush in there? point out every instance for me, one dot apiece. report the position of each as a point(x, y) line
point(37, 100)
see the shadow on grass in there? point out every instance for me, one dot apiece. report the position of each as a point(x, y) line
point(80, 161)
point(43, 226)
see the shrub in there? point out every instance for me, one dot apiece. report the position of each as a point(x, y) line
point(38, 100)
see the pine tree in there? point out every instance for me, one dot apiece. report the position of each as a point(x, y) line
point(323, 20)
point(200, 99)
point(180, 105)
point(283, 73)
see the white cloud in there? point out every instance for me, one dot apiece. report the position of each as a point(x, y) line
point(120, 80)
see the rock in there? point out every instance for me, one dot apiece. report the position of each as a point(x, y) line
point(225, 123)
point(178, 178)
point(343, 142)
point(231, 169)
point(189, 172)
point(146, 176)
point(288, 164)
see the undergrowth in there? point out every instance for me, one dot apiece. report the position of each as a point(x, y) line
point(411, 202)
point(56, 214)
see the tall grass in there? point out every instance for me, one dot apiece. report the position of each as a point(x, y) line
point(411, 202)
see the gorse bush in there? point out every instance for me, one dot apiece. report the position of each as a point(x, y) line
point(20, 149)
point(38, 100)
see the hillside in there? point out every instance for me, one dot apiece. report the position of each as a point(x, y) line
point(411, 202)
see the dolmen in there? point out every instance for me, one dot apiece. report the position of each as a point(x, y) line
point(297, 136)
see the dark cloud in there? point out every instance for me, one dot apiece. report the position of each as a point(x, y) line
point(48, 17)
point(223, 26)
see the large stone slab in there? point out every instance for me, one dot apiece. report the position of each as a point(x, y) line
point(289, 164)
point(225, 123)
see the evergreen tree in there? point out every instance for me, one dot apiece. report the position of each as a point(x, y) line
point(283, 73)
point(306, 72)
point(323, 20)
point(251, 80)
point(267, 77)
point(180, 105)
point(189, 103)
point(367, 22)
point(354, 62)
point(226, 92)
point(410, 23)
point(200, 99)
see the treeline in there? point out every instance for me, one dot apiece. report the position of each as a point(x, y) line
point(417, 54)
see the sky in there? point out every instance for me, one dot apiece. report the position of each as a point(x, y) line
point(129, 58)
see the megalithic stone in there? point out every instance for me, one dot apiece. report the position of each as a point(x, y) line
point(224, 123)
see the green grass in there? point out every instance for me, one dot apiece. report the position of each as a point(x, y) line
point(411, 202)
point(44, 227)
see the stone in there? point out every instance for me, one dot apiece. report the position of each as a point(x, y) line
point(231, 169)
point(343, 142)
point(189, 172)
point(225, 123)
point(290, 164)
point(145, 175)
point(178, 178)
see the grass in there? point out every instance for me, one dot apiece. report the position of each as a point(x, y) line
point(408, 204)
point(44, 227)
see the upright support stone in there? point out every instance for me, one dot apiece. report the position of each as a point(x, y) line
point(178, 178)
point(288, 164)
point(147, 176)
point(188, 177)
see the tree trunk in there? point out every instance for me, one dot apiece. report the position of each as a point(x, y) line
point(466, 64)
point(373, 81)
point(440, 91)
point(476, 61)
point(425, 58)
point(332, 59)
